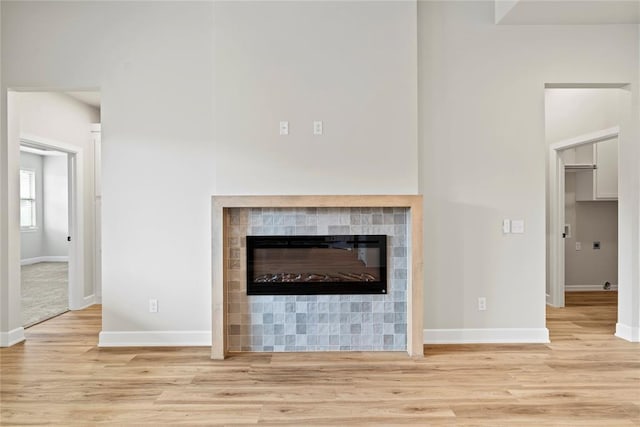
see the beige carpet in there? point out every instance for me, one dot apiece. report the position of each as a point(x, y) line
point(44, 291)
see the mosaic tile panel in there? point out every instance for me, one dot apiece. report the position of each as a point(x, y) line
point(317, 322)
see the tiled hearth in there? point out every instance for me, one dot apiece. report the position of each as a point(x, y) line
point(317, 322)
point(391, 322)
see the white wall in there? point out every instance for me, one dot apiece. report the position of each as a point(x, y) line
point(154, 65)
point(628, 326)
point(31, 241)
point(578, 111)
point(483, 154)
point(4, 220)
point(152, 62)
point(350, 64)
point(481, 133)
point(56, 206)
point(11, 330)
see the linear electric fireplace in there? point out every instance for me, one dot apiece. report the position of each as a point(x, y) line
point(304, 265)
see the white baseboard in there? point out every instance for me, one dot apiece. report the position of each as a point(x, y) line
point(627, 333)
point(7, 339)
point(155, 339)
point(29, 261)
point(486, 336)
point(86, 302)
point(588, 288)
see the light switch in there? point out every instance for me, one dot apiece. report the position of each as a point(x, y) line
point(517, 226)
point(578, 246)
point(317, 127)
point(284, 128)
point(506, 226)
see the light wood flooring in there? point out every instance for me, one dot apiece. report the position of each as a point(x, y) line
point(584, 377)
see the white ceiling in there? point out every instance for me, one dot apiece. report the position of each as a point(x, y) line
point(567, 12)
point(89, 98)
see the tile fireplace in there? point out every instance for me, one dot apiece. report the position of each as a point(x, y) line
point(365, 233)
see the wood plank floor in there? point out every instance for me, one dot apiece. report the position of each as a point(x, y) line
point(584, 377)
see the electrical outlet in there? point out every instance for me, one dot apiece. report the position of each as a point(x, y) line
point(153, 306)
point(482, 303)
point(578, 246)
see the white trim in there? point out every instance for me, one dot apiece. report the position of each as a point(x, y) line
point(52, 144)
point(97, 212)
point(585, 85)
point(486, 336)
point(556, 228)
point(155, 339)
point(39, 152)
point(29, 229)
point(29, 261)
point(7, 339)
point(587, 138)
point(628, 333)
point(75, 170)
point(88, 301)
point(589, 288)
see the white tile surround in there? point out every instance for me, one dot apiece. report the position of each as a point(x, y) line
point(317, 322)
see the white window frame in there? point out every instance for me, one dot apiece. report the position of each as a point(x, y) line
point(33, 201)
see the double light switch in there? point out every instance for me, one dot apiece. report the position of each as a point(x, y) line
point(317, 127)
point(513, 226)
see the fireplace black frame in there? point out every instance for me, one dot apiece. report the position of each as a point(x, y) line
point(321, 287)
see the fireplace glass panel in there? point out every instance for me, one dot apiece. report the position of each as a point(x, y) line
point(337, 264)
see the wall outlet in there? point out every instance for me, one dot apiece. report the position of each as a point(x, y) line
point(506, 226)
point(482, 304)
point(578, 246)
point(153, 306)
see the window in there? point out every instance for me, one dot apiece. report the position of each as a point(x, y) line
point(27, 198)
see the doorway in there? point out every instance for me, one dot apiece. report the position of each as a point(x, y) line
point(44, 231)
point(65, 123)
point(591, 217)
point(583, 131)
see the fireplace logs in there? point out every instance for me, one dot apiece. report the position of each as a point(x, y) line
point(313, 277)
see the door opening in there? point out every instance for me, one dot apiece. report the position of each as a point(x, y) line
point(61, 128)
point(583, 130)
point(44, 231)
